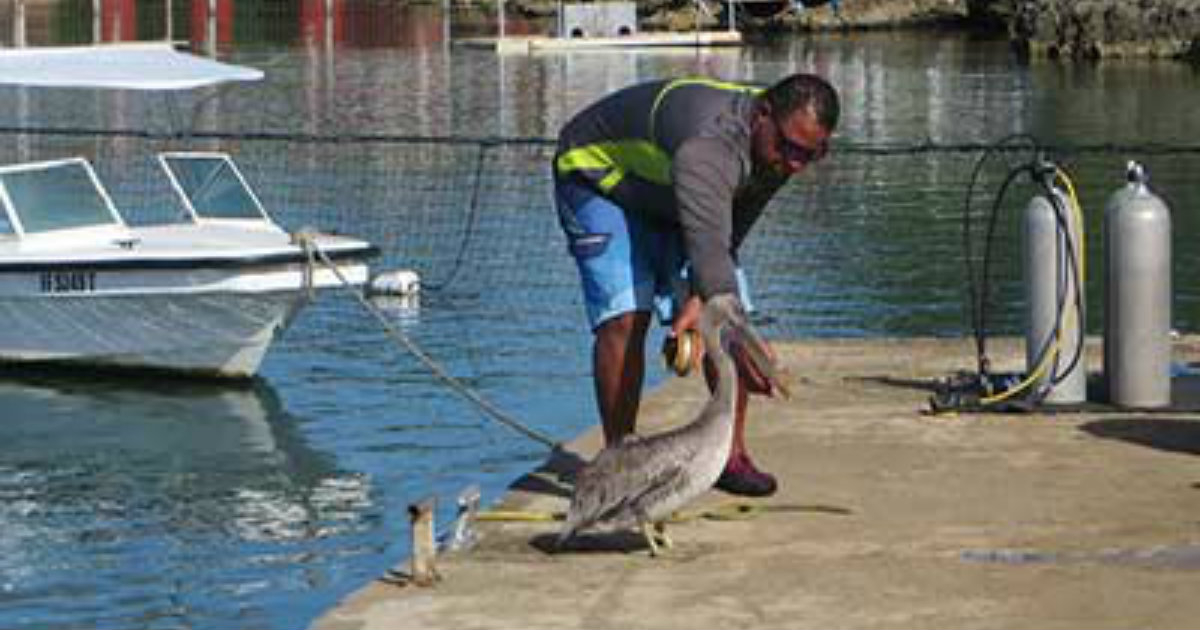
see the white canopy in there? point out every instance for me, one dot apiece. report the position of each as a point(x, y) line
point(142, 66)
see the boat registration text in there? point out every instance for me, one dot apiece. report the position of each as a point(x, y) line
point(68, 281)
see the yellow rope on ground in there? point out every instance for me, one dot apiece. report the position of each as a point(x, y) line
point(727, 511)
point(519, 516)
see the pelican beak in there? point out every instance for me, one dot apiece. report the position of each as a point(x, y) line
point(752, 351)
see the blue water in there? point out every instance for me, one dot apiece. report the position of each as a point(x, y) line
point(130, 504)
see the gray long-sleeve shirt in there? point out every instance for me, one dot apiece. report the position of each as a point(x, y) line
point(677, 153)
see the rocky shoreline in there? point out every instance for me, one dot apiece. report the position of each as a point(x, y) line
point(1077, 29)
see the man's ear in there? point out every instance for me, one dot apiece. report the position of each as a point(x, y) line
point(763, 107)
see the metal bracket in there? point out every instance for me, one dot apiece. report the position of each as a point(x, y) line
point(464, 536)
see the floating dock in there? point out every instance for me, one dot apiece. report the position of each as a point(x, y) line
point(887, 516)
point(539, 43)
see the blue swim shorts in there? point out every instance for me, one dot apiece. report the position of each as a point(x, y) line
point(625, 263)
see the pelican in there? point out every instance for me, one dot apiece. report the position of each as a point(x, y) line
point(642, 481)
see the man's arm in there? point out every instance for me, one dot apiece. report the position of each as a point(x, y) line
point(705, 172)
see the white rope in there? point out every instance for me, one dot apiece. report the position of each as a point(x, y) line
point(490, 410)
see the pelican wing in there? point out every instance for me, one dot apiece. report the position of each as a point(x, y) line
point(623, 483)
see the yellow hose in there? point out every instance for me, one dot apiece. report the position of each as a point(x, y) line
point(727, 511)
point(519, 516)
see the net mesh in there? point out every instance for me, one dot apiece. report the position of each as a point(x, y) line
point(842, 251)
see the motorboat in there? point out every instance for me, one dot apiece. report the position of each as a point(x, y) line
point(204, 295)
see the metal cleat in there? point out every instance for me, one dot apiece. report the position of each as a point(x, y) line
point(464, 536)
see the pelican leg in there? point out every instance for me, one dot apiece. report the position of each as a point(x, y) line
point(648, 534)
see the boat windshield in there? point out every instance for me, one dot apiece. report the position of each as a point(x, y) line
point(55, 196)
point(211, 186)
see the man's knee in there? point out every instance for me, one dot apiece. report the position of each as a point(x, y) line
point(624, 328)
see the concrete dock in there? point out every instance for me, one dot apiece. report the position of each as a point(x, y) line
point(887, 517)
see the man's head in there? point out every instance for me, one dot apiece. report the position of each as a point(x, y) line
point(793, 121)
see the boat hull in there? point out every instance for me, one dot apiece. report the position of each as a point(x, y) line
point(208, 322)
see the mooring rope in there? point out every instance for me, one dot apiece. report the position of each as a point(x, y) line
point(464, 390)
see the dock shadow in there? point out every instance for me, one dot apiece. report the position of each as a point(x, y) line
point(554, 477)
point(612, 541)
point(928, 384)
point(1165, 434)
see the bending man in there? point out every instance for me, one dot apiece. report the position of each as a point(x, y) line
point(657, 185)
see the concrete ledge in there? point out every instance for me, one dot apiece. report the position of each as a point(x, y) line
point(531, 44)
point(886, 517)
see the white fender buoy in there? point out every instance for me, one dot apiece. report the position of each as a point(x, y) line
point(399, 282)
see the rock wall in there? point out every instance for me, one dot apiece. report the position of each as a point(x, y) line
point(865, 14)
point(1108, 28)
point(1052, 28)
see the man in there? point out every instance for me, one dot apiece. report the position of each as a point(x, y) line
point(657, 185)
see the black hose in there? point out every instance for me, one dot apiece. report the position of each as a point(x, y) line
point(979, 285)
point(978, 295)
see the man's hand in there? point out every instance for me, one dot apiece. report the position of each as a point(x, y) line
point(685, 331)
point(689, 316)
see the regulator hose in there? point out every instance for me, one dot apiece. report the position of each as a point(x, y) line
point(978, 292)
point(1043, 174)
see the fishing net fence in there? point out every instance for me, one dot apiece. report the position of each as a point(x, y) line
point(868, 244)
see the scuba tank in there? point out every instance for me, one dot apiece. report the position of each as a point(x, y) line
point(1137, 305)
point(1052, 246)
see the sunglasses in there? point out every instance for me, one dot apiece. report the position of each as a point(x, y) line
point(793, 151)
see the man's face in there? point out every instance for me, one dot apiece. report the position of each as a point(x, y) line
point(789, 143)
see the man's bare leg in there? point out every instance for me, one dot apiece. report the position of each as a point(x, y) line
point(619, 366)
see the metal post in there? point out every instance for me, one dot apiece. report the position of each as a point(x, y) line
point(500, 16)
point(97, 14)
point(424, 548)
point(18, 24)
point(446, 22)
point(211, 19)
point(329, 23)
point(732, 16)
point(170, 30)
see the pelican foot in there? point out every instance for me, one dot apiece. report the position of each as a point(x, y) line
point(660, 531)
point(656, 538)
point(651, 539)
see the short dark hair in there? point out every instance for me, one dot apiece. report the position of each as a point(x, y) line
point(805, 90)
